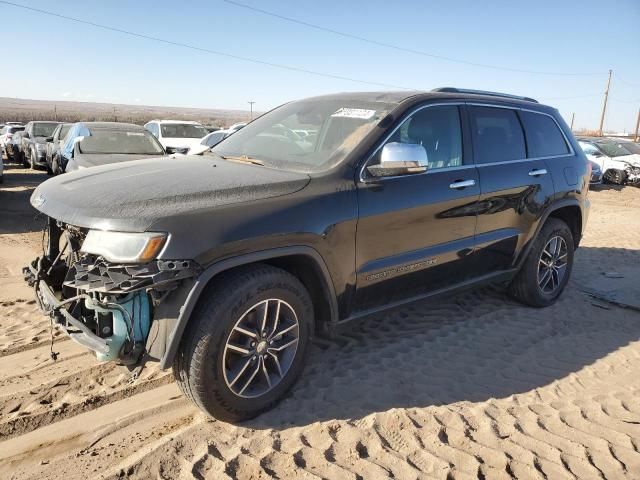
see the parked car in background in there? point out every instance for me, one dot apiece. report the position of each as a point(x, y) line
point(54, 145)
point(177, 136)
point(227, 273)
point(630, 145)
point(89, 144)
point(209, 141)
point(211, 128)
point(619, 165)
point(13, 147)
point(34, 143)
point(7, 132)
point(236, 126)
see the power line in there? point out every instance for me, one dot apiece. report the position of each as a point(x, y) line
point(201, 49)
point(625, 82)
point(401, 48)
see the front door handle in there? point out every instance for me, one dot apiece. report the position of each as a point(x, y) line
point(536, 172)
point(462, 184)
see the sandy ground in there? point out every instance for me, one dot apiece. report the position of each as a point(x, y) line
point(473, 386)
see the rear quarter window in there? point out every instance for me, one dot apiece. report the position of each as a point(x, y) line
point(544, 138)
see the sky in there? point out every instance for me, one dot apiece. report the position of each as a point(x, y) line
point(51, 58)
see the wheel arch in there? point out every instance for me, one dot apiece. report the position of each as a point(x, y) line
point(304, 262)
point(570, 212)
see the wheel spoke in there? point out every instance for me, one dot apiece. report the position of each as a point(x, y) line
point(275, 359)
point(264, 315)
point(288, 329)
point(547, 276)
point(246, 332)
point(242, 370)
point(248, 382)
point(276, 320)
point(264, 370)
point(239, 349)
point(554, 246)
point(282, 347)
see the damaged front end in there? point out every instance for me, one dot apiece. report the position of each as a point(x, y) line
point(632, 174)
point(105, 305)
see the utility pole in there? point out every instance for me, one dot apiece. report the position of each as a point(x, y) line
point(637, 139)
point(115, 117)
point(604, 105)
point(573, 117)
point(251, 110)
point(55, 112)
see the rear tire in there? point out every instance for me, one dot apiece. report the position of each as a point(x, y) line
point(231, 385)
point(529, 285)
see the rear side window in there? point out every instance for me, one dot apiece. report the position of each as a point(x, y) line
point(544, 138)
point(497, 135)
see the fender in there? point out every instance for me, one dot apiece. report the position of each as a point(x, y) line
point(210, 272)
point(567, 202)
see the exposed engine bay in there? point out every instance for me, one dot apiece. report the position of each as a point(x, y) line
point(105, 306)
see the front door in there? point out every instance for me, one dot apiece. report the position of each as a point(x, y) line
point(415, 232)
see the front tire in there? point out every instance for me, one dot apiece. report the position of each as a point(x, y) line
point(548, 266)
point(246, 342)
point(617, 177)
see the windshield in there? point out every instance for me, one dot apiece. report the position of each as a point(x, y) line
point(119, 142)
point(44, 129)
point(182, 130)
point(631, 147)
point(612, 149)
point(64, 130)
point(334, 126)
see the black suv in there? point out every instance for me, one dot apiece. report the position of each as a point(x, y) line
point(224, 265)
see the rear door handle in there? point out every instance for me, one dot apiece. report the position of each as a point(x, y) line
point(462, 184)
point(536, 172)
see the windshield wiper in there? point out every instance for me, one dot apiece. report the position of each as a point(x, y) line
point(244, 159)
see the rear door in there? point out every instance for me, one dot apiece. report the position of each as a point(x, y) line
point(514, 189)
point(415, 232)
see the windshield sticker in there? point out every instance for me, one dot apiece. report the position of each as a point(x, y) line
point(355, 113)
point(135, 134)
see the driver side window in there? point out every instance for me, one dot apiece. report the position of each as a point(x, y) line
point(438, 130)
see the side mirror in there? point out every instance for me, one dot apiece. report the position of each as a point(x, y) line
point(400, 159)
point(25, 135)
point(597, 154)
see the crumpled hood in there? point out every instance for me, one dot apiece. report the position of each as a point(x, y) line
point(131, 196)
point(630, 159)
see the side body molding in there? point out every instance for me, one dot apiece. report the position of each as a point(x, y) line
point(174, 338)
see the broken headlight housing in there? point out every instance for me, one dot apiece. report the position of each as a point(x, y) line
point(124, 247)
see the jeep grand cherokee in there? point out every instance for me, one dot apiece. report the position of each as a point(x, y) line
point(224, 265)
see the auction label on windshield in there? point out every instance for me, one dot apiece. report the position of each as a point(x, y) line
point(354, 113)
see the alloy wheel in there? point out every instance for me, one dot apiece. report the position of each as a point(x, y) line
point(552, 266)
point(261, 348)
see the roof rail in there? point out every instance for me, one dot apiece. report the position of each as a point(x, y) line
point(482, 92)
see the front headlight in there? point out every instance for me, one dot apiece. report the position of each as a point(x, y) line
point(124, 247)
